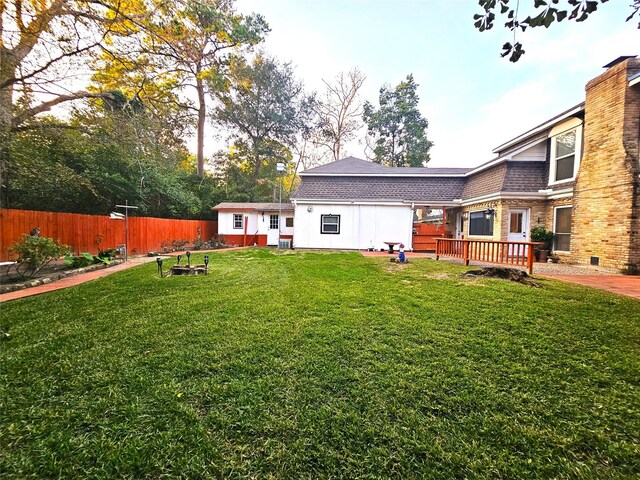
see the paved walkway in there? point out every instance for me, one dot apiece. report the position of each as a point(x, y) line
point(75, 280)
point(628, 285)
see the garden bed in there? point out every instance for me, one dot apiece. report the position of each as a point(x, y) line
point(49, 274)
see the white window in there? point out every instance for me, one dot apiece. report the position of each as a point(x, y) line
point(565, 155)
point(562, 228)
point(481, 223)
point(273, 222)
point(237, 220)
point(330, 224)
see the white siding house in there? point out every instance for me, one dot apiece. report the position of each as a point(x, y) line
point(351, 226)
point(356, 204)
point(255, 223)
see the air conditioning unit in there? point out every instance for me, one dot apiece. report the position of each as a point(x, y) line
point(284, 243)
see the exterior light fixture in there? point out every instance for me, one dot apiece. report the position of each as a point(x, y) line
point(179, 258)
point(206, 264)
point(188, 254)
point(159, 262)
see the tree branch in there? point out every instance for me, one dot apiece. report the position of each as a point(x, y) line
point(46, 106)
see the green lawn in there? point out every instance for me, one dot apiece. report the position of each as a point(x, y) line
point(313, 365)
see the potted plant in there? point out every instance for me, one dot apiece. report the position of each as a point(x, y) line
point(541, 234)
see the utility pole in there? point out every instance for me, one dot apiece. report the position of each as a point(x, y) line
point(126, 207)
point(280, 168)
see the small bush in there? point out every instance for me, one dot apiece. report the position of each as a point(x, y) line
point(178, 244)
point(541, 234)
point(36, 252)
point(109, 253)
point(84, 260)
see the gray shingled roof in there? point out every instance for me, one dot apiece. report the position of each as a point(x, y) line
point(427, 189)
point(258, 207)
point(357, 166)
point(525, 177)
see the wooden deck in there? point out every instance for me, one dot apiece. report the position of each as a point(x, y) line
point(489, 251)
point(426, 234)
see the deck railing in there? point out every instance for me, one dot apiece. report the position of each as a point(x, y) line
point(489, 251)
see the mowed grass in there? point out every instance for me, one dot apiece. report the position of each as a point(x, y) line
point(319, 365)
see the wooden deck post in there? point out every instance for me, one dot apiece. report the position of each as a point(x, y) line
point(465, 253)
point(438, 244)
point(529, 251)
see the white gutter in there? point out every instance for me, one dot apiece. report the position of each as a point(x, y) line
point(540, 195)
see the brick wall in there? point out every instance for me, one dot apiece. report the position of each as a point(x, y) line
point(606, 199)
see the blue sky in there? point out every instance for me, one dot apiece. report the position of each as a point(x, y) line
point(474, 100)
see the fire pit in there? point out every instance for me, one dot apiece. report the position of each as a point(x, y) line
point(187, 269)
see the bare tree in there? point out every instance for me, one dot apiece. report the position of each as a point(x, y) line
point(340, 111)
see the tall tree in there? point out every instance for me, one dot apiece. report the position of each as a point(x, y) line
point(543, 14)
point(397, 127)
point(340, 111)
point(43, 46)
point(187, 45)
point(108, 151)
point(265, 108)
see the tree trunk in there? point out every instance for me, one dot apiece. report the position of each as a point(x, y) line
point(7, 71)
point(202, 118)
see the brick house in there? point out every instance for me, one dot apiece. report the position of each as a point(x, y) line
point(577, 174)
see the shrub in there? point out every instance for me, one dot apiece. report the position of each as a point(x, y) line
point(84, 260)
point(541, 234)
point(178, 244)
point(218, 241)
point(36, 252)
point(109, 253)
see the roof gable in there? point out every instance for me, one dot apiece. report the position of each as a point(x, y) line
point(347, 165)
point(353, 166)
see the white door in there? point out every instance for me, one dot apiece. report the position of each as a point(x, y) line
point(272, 232)
point(460, 226)
point(518, 229)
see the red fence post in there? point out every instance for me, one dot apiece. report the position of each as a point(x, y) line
point(244, 238)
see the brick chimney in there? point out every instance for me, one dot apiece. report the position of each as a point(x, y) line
point(606, 199)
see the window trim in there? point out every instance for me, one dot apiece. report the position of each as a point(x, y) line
point(493, 219)
point(241, 221)
point(553, 160)
point(322, 217)
point(555, 211)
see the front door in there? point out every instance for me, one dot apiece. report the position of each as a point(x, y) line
point(272, 232)
point(518, 229)
point(460, 226)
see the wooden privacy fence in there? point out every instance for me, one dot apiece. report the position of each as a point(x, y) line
point(82, 232)
point(489, 251)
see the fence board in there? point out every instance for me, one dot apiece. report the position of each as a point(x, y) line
point(81, 232)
